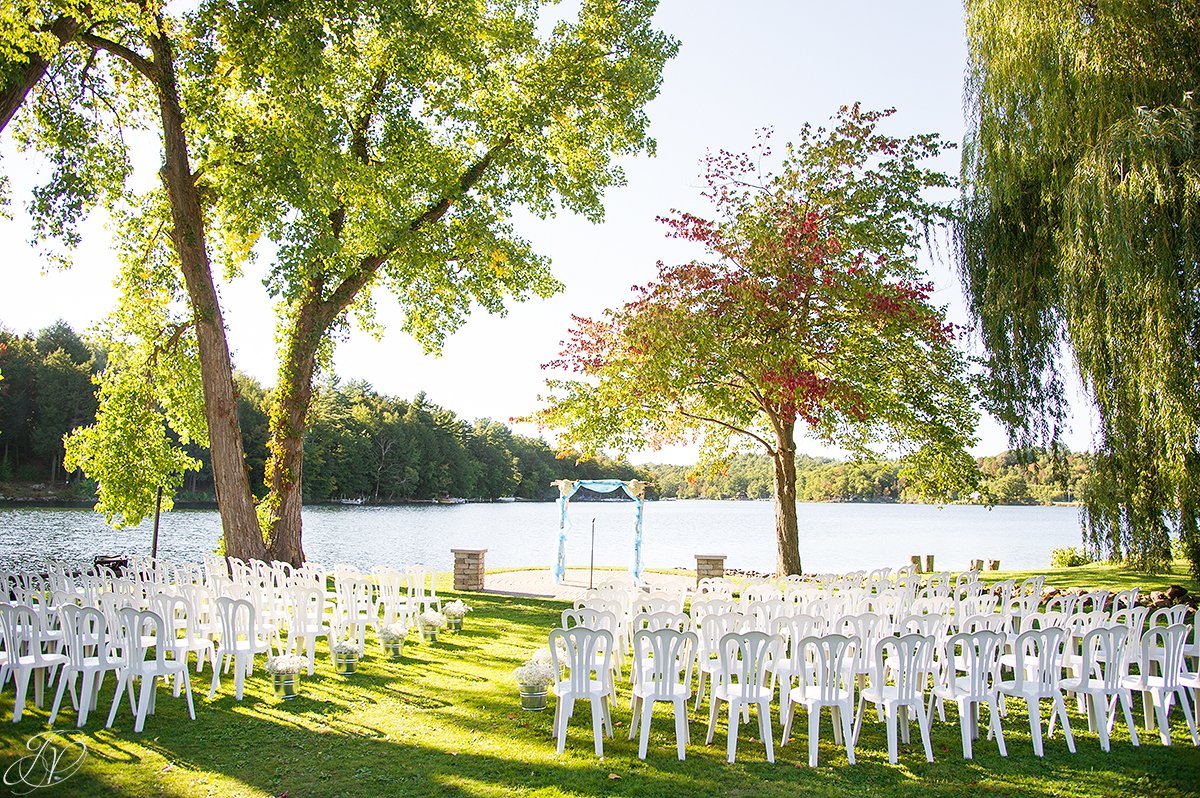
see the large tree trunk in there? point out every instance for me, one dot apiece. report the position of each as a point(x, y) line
point(18, 86)
point(243, 538)
point(787, 560)
point(289, 412)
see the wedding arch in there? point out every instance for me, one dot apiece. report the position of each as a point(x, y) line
point(634, 489)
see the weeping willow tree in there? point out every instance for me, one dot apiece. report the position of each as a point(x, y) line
point(1080, 236)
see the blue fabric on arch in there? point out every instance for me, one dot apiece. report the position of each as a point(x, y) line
point(564, 524)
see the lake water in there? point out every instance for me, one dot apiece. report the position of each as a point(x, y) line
point(833, 537)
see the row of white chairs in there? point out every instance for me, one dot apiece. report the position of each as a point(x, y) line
point(1099, 658)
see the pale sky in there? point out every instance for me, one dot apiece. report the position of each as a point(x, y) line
point(741, 66)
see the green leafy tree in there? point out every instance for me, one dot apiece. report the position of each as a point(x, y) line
point(384, 146)
point(87, 72)
point(1080, 232)
point(813, 312)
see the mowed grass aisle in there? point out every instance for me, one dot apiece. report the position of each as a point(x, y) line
point(445, 721)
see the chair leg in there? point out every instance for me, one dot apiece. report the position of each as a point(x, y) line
point(567, 708)
point(21, 677)
point(964, 727)
point(858, 717)
point(700, 689)
point(634, 717)
point(712, 718)
point(994, 725)
point(846, 734)
point(87, 693)
point(58, 694)
point(187, 687)
point(1127, 709)
point(598, 725)
point(1161, 711)
point(143, 705)
point(765, 731)
point(681, 726)
point(735, 710)
point(1061, 706)
point(890, 720)
point(1099, 717)
point(647, 712)
point(1187, 715)
point(122, 678)
point(1035, 725)
point(923, 724)
point(814, 730)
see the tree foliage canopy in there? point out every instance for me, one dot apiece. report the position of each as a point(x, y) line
point(813, 310)
point(1081, 231)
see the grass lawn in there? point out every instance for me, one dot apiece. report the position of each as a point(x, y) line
point(446, 721)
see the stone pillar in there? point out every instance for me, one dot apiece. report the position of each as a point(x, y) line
point(916, 562)
point(993, 565)
point(709, 566)
point(468, 569)
point(928, 563)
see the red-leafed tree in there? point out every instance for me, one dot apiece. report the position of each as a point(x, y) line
point(811, 310)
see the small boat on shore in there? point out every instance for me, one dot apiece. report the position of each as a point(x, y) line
point(450, 500)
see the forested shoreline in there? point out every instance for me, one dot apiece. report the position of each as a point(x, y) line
point(364, 446)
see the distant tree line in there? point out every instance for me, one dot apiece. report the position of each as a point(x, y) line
point(46, 392)
point(1009, 478)
point(359, 445)
point(363, 445)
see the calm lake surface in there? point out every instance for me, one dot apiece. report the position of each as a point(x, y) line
point(833, 537)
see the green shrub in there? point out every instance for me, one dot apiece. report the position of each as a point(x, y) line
point(1069, 557)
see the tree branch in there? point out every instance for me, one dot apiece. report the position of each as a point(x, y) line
point(770, 449)
point(138, 62)
point(345, 293)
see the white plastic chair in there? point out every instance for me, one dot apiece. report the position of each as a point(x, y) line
point(899, 678)
point(1162, 646)
point(183, 629)
point(240, 641)
point(970, 677)
point(589, 677)
point(134, 624)
point(824, 682)
point(742, 682)
point(307, 623)
point(25, 641)
point(1036, 676)
point(85, 629)
point(663, 660)
point(1102, 657)
point(712, 628)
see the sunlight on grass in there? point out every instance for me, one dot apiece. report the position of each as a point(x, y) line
point(445, 721)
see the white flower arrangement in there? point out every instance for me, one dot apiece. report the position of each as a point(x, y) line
point(346, 649)
point(393, 633)
point(432, 619)
point(534, 675)
point(456, 609)
point(287, 663)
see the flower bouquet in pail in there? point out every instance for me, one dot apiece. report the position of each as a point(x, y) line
point(285, 675)
point(432, 622)
point(455, 611)
point(345, 657)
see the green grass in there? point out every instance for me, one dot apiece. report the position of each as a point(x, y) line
point(445, 721)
